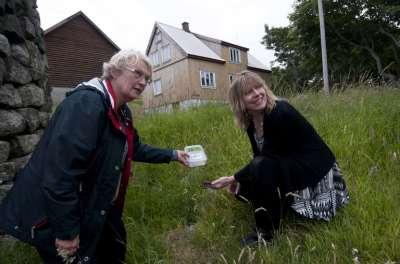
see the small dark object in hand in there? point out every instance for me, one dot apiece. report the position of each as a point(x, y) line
point(208, 184)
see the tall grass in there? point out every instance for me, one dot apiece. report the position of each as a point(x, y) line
point(171, 219)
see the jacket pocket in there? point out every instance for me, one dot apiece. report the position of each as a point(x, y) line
point(41, 232)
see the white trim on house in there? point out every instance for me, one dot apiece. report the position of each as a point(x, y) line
point(234, 55)
point(165, 53)
point(208, 79)
point(157, 87)
point(155, 58)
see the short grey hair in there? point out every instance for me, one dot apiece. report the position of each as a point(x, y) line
point(124, 59)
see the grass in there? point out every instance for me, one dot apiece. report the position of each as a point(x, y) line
point(170, 219)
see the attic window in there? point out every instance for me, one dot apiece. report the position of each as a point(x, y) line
point(234, 55)
point(155, 58)
point(157, 37)
point(165, 54)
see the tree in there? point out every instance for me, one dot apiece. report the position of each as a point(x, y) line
point(363, 36)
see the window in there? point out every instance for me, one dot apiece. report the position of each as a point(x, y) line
point(234, 55)
point(155, 58)
point(165, 54)
point(230, 77)
point(157, 37)
point(157, 87)
point(207, 79)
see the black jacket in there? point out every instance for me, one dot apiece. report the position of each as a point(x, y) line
point(69, 183)
point(289, 138)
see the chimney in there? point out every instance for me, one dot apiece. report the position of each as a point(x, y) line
point(185, 26)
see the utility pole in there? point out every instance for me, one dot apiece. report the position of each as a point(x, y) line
point(323, 47)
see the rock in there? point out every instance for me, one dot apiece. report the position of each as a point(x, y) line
point(2, 70)
point(39, 132)
point(2, 6)
point(5, 49)
point(44, 119)
point(20, 7)
point(9, 96)
point(22, 145)
point(38, 61)
point(20, 162)
point(21, 54)
point(11, 123)
point(4, 150)
point(17, 72)
point(12, 28)
point(31, 95)
point(7, 171)
point(30, 31)
point(31, 117)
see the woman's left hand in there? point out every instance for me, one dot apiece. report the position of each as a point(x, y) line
point(183, 157)
point(223, 182)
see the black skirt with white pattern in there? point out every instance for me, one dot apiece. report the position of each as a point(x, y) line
point(322, 201)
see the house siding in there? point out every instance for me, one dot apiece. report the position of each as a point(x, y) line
point(175, 85)
point(76, 52)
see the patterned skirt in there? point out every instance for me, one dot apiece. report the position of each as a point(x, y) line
point(322, 201)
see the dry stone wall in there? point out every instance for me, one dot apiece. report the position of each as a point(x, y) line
point(25, 103)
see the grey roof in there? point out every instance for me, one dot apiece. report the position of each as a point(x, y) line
point(189, 42)
point(253, 62)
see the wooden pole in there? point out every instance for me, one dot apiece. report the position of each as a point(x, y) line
point(323, 47)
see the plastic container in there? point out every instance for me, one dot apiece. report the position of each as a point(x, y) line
point(197, 156)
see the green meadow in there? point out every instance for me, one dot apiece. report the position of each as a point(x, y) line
point(171, 219)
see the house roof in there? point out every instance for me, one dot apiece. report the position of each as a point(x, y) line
point(192, 45)
point(80, 13)
point(253, 62)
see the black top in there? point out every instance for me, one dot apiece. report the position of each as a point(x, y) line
point(289, 138)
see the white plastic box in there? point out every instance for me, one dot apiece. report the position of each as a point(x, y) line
point(197, 156)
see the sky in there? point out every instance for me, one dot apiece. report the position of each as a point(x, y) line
point(129, 23)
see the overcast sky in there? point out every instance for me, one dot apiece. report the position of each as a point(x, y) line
point(129, 22)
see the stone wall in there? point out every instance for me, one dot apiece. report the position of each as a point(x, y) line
point(25, 102)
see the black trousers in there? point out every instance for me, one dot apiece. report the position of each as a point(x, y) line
point(263, 190)
point(111, 247)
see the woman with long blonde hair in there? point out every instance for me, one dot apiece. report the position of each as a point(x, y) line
point(292, 166)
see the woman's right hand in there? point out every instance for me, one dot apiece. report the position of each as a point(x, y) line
point(222, 182)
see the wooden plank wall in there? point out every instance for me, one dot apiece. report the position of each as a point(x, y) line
point(76, 52)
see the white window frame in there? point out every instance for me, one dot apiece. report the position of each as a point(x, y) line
point(164, 49)
point(155, 58)
point(157, 37)
point(234, 55)
point(157, 87)
point(208, 79)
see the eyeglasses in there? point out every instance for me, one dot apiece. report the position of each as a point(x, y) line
point(139, 74)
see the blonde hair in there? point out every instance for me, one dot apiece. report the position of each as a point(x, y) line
point(240, 87)
point(124, 59)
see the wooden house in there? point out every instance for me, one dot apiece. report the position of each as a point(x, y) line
point(191, 69)
point(76, 50)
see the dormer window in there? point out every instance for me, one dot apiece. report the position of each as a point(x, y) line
point(157, 37)
point(234, 55)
